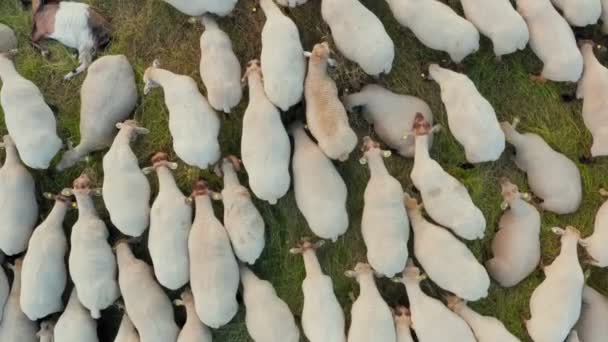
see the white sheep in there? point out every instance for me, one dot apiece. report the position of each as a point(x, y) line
point(243, 221)
point(75, 324)
point(437, 26)
point(148, 306)
point(8, 40)
point(591, 88)
point(291, 3)
point(384, 225)
point(471, 118)
point(14, 324)
point(108, 96)
point(552, 40)
point(196, 8)
point(29, 120)
point(359, 35)
point(126, 191)
point(499, 21)
point(220, 68)
point(371, 318)
point(319, 189)
point(516, 245)
point(265, 145)
point(580, 12)
point(74, 24)
point(214, 272)
point(591, 325)
point(170, 222)
point(44, 273)
point(551, 175)
point(555, 305)
point(18, 206)
point(322, 315)
point(92, 264)
point(391, 115)
point(595, 244)
point(485, 328)
point(283, 63)
point(325, 114)
point(193, 123)
point(448, 262)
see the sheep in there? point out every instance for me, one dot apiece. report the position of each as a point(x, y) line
point(437, 26)
point(75, 323)
point(291, 3)
point(359, 35)
point(194, 330)
point(220, 69)
point(8, 40)
point(29, 120)
point(499, 21)
point(196, 8)
point(14, 324)
point(325, 114)
point(75, 25)
point(580, 12)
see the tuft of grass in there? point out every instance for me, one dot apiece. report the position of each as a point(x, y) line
point(145, 30)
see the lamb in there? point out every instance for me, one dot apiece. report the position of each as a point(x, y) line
point(595, 244)
point(44, 272)
point(322, 315)
point(552, 40)
point(390, 114)
point(580, 12)
point(194, 125)
point(214, 273)
point(126, 191)
point(591, 88)
point(283, 63)
point(591, 325)
point(170, 222)
point(126, 331)
point(440, 190)
point(325, 114)
point(516, 245)
point(551, 175)
point(193, 330)
point(384, 225)
point(499, 21)
point(447, 261)
point(75, 25)
point(108, 96)
point(18, 206)
point(28, 119)
point(75, 324)
point(14, 324)
point(320, 191)
point(145, 302)
point(243, 221)
point(91, 262)
point(291, 3)
point(220, 68)
point(8, 40)
point(428, 313)
point(265, 145)
point(485, 328)
point(403, 323)
point(46, 332)
point(471, 117)
point(267, 317)
point(437, 26)
point(196, 8)
point(359, 35)
point(555, 304)
point(371, 318)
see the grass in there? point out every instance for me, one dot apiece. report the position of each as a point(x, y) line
point(145, 30)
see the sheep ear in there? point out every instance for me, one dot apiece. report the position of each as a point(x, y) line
point(332, 62)
point(558, 231)
point(295, 251)
point(318, 244)
point(350, 274)
point(147, 170)
point(119, 125)
point(142, 131)
point(178, 302)
point(156, 63)
point(307, 54)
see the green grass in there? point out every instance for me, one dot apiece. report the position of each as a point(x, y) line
point(150, 29)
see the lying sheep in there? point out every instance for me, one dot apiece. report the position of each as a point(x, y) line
point(8, 40)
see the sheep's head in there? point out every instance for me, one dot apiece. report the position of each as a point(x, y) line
point(360, 269)
point(185, 298)
point(10, 55)
point(233, 161)
point(132, 128)
point(421, 126)
point(321, 51)
point(81, 184)
point(587, 46)
point(402, 316)
point(411, 204)
point(412, 273)
point(454, 302)
point(369, 144)
point(510, 191)
point(46, 329)
point(570, 231)
point(149, 83)
point(200, 188)
point(253, 68)
point(306, 244)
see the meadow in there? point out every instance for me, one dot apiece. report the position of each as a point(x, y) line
point(149, 29)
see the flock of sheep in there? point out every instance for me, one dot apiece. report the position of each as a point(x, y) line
point(211, 256)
